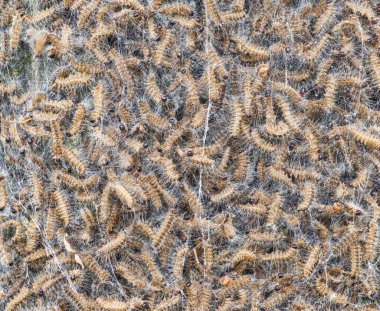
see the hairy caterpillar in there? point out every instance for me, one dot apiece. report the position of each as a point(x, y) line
point(77, 121)
point(194, 203)
point(308, 197)
point(279, 175)
point(324, 290)
point(16, 32)
point(250, 50)
point(3, 193)
point(92, 265)
point(163, 231)
point(152, 267)
point(73, 160)
point(113, 244)
point(261, 143)
point(226, 193)
point(22, 295)
point(366, 139)
point(179, 262)
point(311, 261)
point(152, 89)
point(278, 298)
point(161, 47)
point(57, 144)
point(98, 99)
point(62, 207)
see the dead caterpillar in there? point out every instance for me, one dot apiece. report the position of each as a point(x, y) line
point(163, 231)
point(89, 220)
point(62, 207)
point(278, 297)
point(16, 32)
point(3, 193)
point(77, 121)
point(115, 243)
point(129, 274)
point(324, 290)
point(311, 261)
point(152, 267)
point(308, 197)
point(22, 295)
point(73, 160)
point(161, 47)
point(251, 51)
point(98, 100)
point(302, 174)
point(226, 193)
point(260, 143)
point(111, 304)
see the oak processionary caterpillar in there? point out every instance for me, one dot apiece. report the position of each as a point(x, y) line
point(189, 155)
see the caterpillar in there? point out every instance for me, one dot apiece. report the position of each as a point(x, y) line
point(324, 290)
point(22, 295)
point(279, 175)
point(212, 11)
point(73, 160)
point(311, 261)
point(287, 114)
point(194, 203)
point(57, 144)
point(111, 304)
point(163, 231)
point(261, 143)
point(115, 243)
point(86, 12)
point(98, 100)
point(253, 52)
point(279, 256)
point(122, 194)
point(16, 32)
point(3, 193)
point(179, 262)
point(92, 265)
point(279, 297)
point(77, 121)
point(152, 267)
point(226, 193)
point(76, 80)
point(366, 139)
point(161, 47)
point(168, 303)
point(130, 275)
point(152, 89)
point(62, 207)
point(308, 197)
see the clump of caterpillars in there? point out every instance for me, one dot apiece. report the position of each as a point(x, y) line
point(189, 155)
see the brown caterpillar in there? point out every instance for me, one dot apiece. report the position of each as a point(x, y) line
point(22, 295)
point(324, 290)
point(251, 51)
point(311, 261)
point(308, 197)
point(77, 121)
point(113, 244)
point(62, 207)
point(3, 193)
